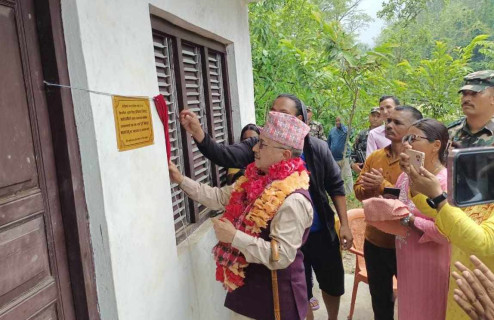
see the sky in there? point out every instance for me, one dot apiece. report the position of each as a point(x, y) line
point(367, 35)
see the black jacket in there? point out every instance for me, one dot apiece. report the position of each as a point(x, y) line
point(325, 175)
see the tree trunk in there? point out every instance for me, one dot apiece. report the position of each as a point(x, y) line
point(352, 114)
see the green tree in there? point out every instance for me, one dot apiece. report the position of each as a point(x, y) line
point(284, 50)
point(350, 67)
point(433, 83)
point(346, 12)
point(291, 53)
point(402, 10)
point(416, 25)
point(303, 47)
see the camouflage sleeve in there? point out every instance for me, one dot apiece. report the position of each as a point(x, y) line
point(353, 155)
point(321, 132)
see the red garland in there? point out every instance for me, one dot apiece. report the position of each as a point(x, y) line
point(239, 206)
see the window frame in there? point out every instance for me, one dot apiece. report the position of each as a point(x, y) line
point(194, 218)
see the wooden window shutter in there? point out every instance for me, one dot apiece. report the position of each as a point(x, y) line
point(192, 74)
point(214, 70)
point(163, 54)
point(195, 101)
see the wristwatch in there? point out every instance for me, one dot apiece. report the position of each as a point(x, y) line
point(434, 203)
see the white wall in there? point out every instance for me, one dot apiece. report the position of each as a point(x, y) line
point(140, 271)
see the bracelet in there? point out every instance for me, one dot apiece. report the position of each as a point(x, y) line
point(406, 221)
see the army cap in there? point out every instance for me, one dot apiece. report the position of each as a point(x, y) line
point(478, 81)
point(375, 109)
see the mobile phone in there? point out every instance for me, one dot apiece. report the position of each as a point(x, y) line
point(471, 176)
point(416, 158)
point(391, 193)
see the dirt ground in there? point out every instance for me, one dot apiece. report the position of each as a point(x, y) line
point(348, 262)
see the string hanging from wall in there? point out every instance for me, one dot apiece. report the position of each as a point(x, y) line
point(159, 101)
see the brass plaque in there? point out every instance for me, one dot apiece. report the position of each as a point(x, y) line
point(133, 122)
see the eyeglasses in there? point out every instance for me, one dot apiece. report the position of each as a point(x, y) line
point(263, 144)
point(411, 138)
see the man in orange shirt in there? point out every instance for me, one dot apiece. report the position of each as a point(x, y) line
point(381, 169)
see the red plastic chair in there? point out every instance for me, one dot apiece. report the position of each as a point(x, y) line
point(356, 220)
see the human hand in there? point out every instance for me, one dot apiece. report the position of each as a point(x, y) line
point(405, 163)
point(424, 182)
point(356, 167)
point(405, 167)
point(224, 230)
point(346, 237)
point(175, 175)
point(191, 124)
point(476, 290)
point(372, 180)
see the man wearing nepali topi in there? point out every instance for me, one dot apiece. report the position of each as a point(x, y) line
point(268, 214)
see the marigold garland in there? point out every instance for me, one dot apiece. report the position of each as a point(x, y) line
point(253, 203)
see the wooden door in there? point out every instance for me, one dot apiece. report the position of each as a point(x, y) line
point(34, 278)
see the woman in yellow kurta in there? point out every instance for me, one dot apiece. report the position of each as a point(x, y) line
point(470, 231)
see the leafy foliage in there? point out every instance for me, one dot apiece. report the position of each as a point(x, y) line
point(433, 83)
point(402, 10)
point(308, 48)
point(453, 22)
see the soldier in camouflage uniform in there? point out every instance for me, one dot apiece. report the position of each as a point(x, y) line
point(316, 128)
point(475, 130)
point(477, 101)
point(358, 155)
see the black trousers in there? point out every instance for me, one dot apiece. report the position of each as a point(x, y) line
point(381, 267)
point(308, 278)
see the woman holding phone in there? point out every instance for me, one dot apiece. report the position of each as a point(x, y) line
point(470, 231)
point(423, 255)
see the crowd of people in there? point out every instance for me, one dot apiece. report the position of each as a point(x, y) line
point(287, 180)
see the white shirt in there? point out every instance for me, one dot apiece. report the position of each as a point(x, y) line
point(376, 140)
point(288, 225)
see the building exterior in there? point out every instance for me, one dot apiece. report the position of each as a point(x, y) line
point(88, 231)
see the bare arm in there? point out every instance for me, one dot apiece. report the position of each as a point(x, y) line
point(334, 186)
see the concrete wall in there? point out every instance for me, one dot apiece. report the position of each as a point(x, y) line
point(140, 271)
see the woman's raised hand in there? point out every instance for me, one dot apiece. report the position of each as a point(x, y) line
point(424, 182)
point(405, 163)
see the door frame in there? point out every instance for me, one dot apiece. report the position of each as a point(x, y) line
point(67, 160)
